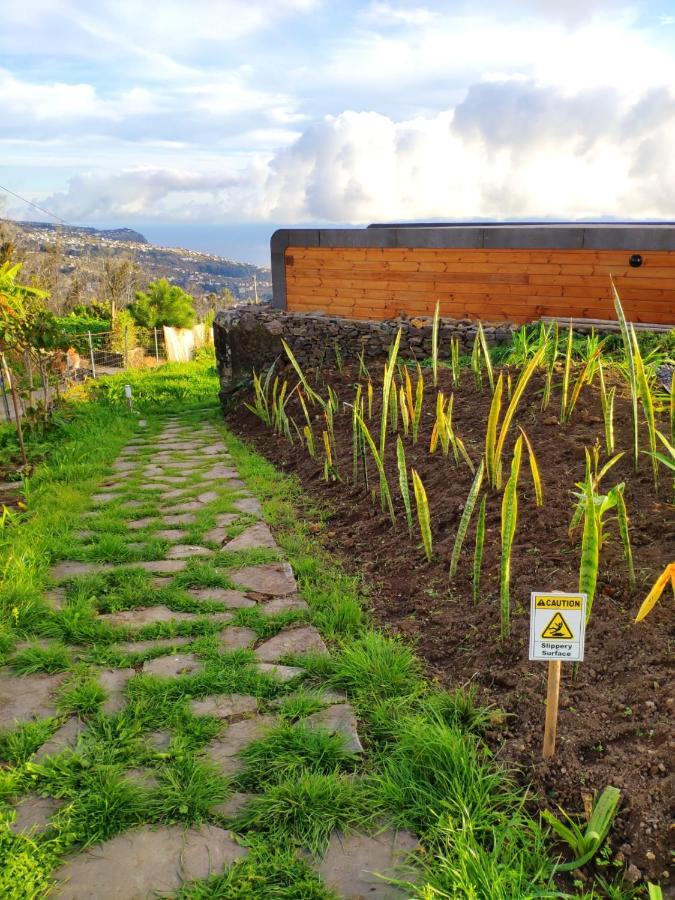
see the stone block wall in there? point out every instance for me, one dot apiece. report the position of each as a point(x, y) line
point(250, 338)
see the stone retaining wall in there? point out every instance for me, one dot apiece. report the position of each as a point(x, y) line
point(250, 338)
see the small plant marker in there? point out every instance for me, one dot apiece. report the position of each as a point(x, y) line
point(557, 632)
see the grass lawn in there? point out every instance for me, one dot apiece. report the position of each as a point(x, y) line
point(425, 767)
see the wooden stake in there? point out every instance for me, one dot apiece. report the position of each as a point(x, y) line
point(552, 699)
point(17, 411)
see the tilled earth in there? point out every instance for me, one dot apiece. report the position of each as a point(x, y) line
point(615, 723)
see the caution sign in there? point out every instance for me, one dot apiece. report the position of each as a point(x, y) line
point(557, 626)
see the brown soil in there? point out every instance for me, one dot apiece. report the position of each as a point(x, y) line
point(615, 723)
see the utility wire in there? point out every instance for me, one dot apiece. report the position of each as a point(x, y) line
point(34, 205)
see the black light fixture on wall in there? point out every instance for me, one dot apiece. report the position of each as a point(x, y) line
point(635, 261)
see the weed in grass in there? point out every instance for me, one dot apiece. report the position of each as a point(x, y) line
point(189, 789)
point(25, 866)
point(290, 751)
point(52, 658)
point(434, 767)
point(501, 862)
point(268, 871)
point(299, 704)
point(18, 745)
point(376, 666)
point(307, 809)
point(82, 694)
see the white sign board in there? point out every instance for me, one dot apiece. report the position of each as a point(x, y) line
point(557, 626)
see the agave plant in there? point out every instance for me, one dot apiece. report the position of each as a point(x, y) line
point(593, 507)
point(585, 844)
point(454, 361)
point(434, 343)
point(385, 493)
point(494, 442)
point(666, 577)
point(467, 512)
point(478, 550)
point(403, 481)
point(423, 515)
point(508, 531)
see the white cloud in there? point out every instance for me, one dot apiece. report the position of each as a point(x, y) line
point(511, 149)
point(383, 15)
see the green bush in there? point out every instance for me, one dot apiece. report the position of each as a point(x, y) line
point(163, 304)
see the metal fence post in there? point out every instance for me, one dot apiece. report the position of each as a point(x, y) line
point(156, 346)
point(91, 354)
point(126, 346)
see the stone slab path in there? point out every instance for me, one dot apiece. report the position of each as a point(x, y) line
point(184, 595)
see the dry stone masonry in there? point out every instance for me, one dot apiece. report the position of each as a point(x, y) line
point(168, 634)
point(250, 338)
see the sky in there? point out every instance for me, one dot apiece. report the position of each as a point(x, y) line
point(274, 112)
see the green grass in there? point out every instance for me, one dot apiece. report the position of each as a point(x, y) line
point(425, 768)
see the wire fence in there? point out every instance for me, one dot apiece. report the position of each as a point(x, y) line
point(39, 376)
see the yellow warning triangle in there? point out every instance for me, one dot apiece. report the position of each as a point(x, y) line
point(557, 629)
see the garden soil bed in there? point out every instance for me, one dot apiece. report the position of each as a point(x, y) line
point(616, 715)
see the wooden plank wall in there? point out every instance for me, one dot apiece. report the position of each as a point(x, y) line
point(491, 285)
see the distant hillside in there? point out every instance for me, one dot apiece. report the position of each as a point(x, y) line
point(112, 234)
point(78, 265)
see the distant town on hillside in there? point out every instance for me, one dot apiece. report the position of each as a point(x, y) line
point(78, 265)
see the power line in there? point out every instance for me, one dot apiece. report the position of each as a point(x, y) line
point(34, 205)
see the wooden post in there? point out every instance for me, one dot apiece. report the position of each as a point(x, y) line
point(552, 699)
point(126, 346)
point(17, 413)
point(156, 347)
point(4, 395)
point(91, 355)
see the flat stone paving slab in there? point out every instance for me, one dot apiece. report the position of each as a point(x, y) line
point(187, 551)
point(64, 738)
point(26, 697)
point(219, 471)
point(105, 497)
point(352, 863)
point(225, 749)
point(69, 568)
point(123, 465)
point(275, 579)
point(281, 673)
point(224, 706)
point(174, 494)
point(34, 812)
point(137, 524)
point(252, 538)
point(131, 647)
point(159, 740)
point(338, 719)
point(163, 566)
point(248, 505)
point(172, 666)
point(180, 519)
point(189, 506)
point(146, 615)
point(291, 603)
point(147, 862)
point(232, 806)
point(222, 520)
point(146, 779)
point(169, 534)
point(113, 682)
point(208, 497)
point(236, 638)
point(229, 598)
point(291, 640)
